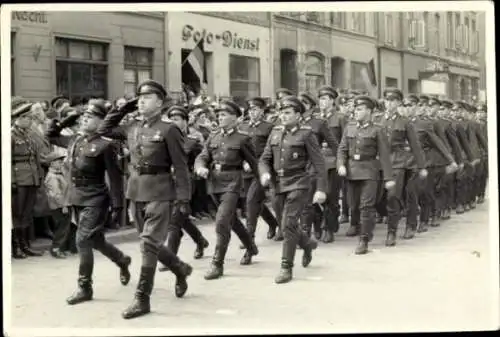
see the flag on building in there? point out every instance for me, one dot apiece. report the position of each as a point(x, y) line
point(198, 61)
point(369, 78)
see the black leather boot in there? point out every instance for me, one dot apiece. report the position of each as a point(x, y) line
point(252, 251)
point(141, 304)
point(17, 253)
point(460, 209)
point(271, 232)
point(285, 274)
point(84, 292)
point(124, 271)
point(423, 227)
point(409, 233)
point(182, 271)
point(217, 266)
point(328, 236)
point(362, 247)
point(279, 235)
point(352, 231)
point(343, 219)
point(390, 241)
point(200, 249)
point(434, 221)
point(25, 246)
point(307, 256)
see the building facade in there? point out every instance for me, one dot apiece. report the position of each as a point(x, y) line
point(81, 54)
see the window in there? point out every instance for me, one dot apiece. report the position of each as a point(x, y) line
point(413, 86)
point(458, 38)
point(437, 36)
point(338, 19)
point(359, 22)
point(426, 27)
point(81, 69)
point(315, 73)
point(466, 35)
point(475, 87)
point(357, 82)
point(389, 28)
point(288, 61)
point(12, 63)
point(244, 74)
point(391, 82)
point(449, 28)
point(138, 67)
point(417, 33)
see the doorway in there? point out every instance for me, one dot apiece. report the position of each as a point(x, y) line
point(338, 70)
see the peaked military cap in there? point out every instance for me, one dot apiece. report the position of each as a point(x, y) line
point(413, 98)
point(257, 102)
point(282, 92)
point(482, 107)
point(96, 107)
point(20, 106)
point(58, 101)
point(229, 106)
point(342, 99)
point(424, 99)
point(307, 98)
point(446, 103)
point(177, 110)
point(393, 93)
point(327, 90)
point(365, 100)
point(294, 102)
point(151, 87)
point(433, 101)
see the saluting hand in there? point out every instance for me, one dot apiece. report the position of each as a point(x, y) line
point(319, 197)
point(342, 171)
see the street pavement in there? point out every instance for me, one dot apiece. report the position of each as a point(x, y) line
point(440, 281)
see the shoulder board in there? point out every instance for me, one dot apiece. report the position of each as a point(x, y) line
point(305, 127)
point(107, 139)
point(279, 127)
point(165, 119)
point(192, 137)
point(242, 132)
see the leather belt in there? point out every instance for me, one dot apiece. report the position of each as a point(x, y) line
point(152, 169)
point(86, 181)
point(292, 172)
point(21, 160)
point(222, 168)
point(361, 157)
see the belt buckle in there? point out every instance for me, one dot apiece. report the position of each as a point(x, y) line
point(357, 156)
point(217, 167)
point(280, 173)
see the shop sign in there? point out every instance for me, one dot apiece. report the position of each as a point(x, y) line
point(437, 66)
point(227, 38)
point(34, 17)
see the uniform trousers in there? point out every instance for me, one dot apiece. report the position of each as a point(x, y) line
point(363, 197)
point(440, 188)
point(289, 207)
point(255, 206)
point(90, 235)
point(225, 221)
point(345, 199)
point(23, 204)
point(312, 214)
point(332, 207)
point(179, 223)
point(395, 199)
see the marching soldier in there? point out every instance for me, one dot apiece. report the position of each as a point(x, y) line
point(91, 157)
point(363, 150)
point(290, 149)
point(482, 145)
point(381, 204)
point(313, 213)
point(259, 131)
point(156, 145)
point(221, 161)
point(406, 158)
point(27, 175)
point(336, 123)
point(346, 111)
point(192, 145)
point(483, 177)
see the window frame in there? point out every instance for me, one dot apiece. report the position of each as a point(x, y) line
point(389, 28)
point(450, 41)
point(317, 75)
point(69, 62)
point(231, 80)
point(353, 81)
point(136, 67)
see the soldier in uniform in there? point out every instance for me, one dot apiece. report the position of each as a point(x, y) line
point(481, 115)
point(258, 129)
point(27, 175)
point(482, 146)
point(290, 149)
point(313, 214)
point(381, 204)
point(336, 123)
point(90, 158)
point(156, 145)
point(346, 111)
point(363, 150)
point(221, 161)
point(437, 157)
point(180, 222)
point(406, 157)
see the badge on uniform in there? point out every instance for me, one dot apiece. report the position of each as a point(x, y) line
point(157, 136)
point(324, 144)
point(217, 167)
point(93, 148)
point(295, 155)
point(357, 156)
point(407, 148)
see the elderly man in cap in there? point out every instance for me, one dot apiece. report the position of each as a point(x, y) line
point(221, 162)
point(290, 151)
point(336, 123)
point(90, 157)
point(364, 149)
point(156, 147)
point(438, 160)
point(258, 129)
point(313, 214)
point(27, 176)
point(408, 161)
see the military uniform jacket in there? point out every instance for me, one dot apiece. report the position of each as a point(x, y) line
point(336, 123)
point(436, 153)
point(406, 152)
point(450, 135)
point(325, 138)
point(467, 152)
point(258, 132)
point(156, 145)
point(481, 139)
point(89, 158)
point(26, 165)
point(287, 155)
point(364, 151)
point(223, 154)
point(472, 139)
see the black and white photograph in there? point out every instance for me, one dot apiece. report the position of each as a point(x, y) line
point(234, 168)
